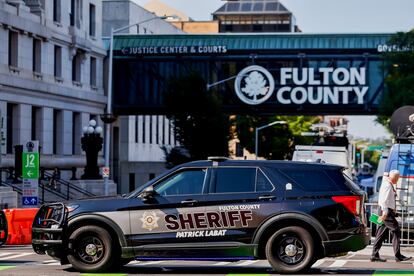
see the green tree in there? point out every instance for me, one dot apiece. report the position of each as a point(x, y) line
point(276, 142)
point(399, 65)
point(200, 126)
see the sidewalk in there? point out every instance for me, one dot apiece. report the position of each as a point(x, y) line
point(387, 250)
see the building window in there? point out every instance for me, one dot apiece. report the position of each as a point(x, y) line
point(58, 62)
point(72, 13)
point(35, 121)
point(163, 130)
point(56, 10)
point(93, 72)
point(150, 129)
point(144, 121)
point(76, 134)
point(136, 129)
point(92, 16)
point(76, 68)
point(37, 55)
point(131, 182)
point(13, 48)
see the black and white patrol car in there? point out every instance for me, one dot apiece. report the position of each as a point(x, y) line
point(289, 213)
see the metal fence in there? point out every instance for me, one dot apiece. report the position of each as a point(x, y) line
point(405, 219)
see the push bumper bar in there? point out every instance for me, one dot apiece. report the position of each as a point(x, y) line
point(47, 228)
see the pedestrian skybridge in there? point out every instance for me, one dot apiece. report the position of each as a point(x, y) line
point(254, 73)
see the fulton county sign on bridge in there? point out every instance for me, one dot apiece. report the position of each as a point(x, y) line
point(254, 73)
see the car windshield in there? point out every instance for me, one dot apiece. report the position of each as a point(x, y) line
point(138, 190)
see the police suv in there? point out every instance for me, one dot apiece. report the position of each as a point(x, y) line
point(290, 213)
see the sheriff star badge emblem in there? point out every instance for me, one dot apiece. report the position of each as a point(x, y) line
point(149, 220)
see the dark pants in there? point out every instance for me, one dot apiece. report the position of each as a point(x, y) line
point(390, 224)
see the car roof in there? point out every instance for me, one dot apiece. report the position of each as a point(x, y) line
point(262, 163)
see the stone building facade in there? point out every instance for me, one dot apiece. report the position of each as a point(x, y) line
point(51, 77)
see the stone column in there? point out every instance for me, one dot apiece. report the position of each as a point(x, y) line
point(46, 130)
point(67, 132)
point(22, 124)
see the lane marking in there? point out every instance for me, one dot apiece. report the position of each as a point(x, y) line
point(351, 255)
point(5, 254)
point(318, 263)
point(248, 262)
point(153, 262)
point(17, 256)
point(221, 263)
point(134, 262)
point(338, 263)
point(50, 261)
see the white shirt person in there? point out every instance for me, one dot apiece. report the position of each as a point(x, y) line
point(386, 200)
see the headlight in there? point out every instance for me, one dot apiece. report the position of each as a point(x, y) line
point(72, 207)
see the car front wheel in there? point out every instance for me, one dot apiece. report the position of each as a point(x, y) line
point(290, 250)
point(91, 249)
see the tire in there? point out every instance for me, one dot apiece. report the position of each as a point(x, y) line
point(290, 250)
point(91, 249)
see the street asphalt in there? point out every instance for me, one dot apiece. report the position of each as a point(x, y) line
point(21, 260)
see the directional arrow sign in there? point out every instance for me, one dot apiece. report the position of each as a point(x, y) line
point(30, 165)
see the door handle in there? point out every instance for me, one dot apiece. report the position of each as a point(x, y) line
point(189, 201)
point(267, 197)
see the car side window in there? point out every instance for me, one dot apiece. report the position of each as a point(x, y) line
point(262, 183)
point(241, 180)
point(190, 182)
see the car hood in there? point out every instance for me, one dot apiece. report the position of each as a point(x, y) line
point(99, 204)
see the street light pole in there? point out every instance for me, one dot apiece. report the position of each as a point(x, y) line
point(109, 96)
point(256, 147)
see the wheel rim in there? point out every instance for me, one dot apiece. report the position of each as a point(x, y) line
point(290, 249)
point(90, 249)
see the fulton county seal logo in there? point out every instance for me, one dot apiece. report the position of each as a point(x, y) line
point(254, 85)
point(149, 220)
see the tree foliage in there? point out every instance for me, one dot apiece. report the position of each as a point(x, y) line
point(278, 141)
point(200, 126)
point(399, 65)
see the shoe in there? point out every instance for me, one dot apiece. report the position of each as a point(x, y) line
point(402, 258)
point(378, 259)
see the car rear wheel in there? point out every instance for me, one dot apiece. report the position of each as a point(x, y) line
point(290, 250)
point(91, 249)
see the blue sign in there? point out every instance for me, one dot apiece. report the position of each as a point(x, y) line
point(29, 200)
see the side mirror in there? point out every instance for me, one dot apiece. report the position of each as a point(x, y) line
point(148, 193)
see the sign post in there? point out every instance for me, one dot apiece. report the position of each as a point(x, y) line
point(30, 174)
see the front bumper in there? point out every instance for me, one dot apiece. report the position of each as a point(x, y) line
point(353, 242)
point(48, 229)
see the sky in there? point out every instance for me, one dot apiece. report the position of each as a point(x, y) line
point(330, 16)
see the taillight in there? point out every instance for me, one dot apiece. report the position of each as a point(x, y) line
point(351, 203)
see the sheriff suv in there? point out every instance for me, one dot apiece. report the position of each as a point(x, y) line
point(290, 213)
